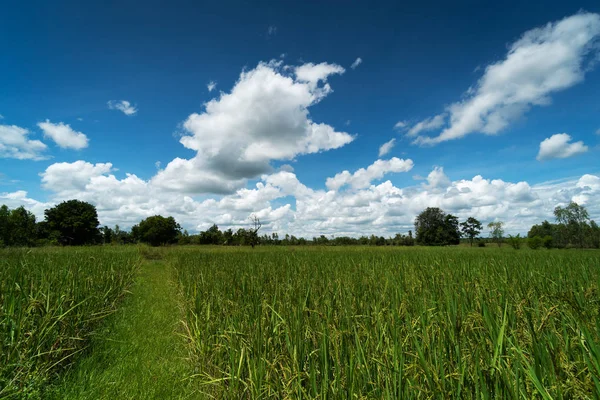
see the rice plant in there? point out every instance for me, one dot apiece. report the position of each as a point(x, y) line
point(51, 300)
point(392, 323)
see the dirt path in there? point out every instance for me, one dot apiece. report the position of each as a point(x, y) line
point(140, 355)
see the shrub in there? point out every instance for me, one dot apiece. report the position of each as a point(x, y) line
point(480, 243)
point(535, 242)
point(515, 241)
point(548, 242)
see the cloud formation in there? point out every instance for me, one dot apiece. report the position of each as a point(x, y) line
point(212, 85)
point(362, 178)
point(387, 147)
point(356, 63)
point(284, 204)
point(63, 135)
point(558, 146)
point(543, 61)
point(14, 143)
point(122, 105)
point(264, 118)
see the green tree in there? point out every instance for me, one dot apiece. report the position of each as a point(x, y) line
point(471, 228)
point(434, 227)
point(17, 227)
point(515, 241)
point(575, 217)
point(496, 232)
point(157, 230)
point(76, 222)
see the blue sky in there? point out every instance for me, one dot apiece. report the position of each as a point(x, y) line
point(73, 63)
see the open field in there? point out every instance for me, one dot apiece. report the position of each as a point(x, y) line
point(301, 322)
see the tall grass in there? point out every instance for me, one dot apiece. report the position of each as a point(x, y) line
point(393, 323)
point(50, 302)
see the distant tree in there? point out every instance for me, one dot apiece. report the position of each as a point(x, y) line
point(496, 232)
point(107, 234)
point(434, 228)
point(515, 241)
point(253, 231)
point(471, 228)
point(575, 217)
point(17, 227)
point(535, 242)
point(74, 221)
point(157, 230)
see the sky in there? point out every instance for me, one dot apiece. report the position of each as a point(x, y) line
point(320, 118)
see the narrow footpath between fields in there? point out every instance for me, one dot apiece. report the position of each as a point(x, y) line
point(139, 354)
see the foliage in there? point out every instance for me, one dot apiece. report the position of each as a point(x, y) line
point(75, 222)
point(434, 227)
point(515, 241)
point(51, 302)
point(535, 242)
point(471, 228)
point(496, 232)
point(156, 230)
point(17, 227)
point(326, 322)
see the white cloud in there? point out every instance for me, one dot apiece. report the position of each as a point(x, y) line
point(386, 147)
point(271, 30)
point(558, 146)
point(264, 118)
point(428, 124)
point(122, 105)
point(401, 125)
point(286, 205)
point(212, 85)
point(63, 135)
point(313, 73)
point(356, 63)
point(543, 61)
point(157, 164)
point(15, 144)
point(362, 178)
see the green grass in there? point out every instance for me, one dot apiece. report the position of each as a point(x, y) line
point(393, 323)
point(305, 322)
point(139, 354)
point(51, 302)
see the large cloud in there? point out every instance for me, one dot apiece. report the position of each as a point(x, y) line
point(264, 118)
point(362, 178)
point(63, 135)
point(14, 143)
point(558, 146)
point(286, 205)
point(543, 61)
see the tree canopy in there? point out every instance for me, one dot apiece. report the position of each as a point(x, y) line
point(471, 228)
point(74, 222)
point(434, 227)
point(157, 230)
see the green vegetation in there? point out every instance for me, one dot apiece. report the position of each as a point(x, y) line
point(51, 302)
point(387, 323)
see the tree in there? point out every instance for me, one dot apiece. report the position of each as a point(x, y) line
point(253, 232)
point(107, 234)
point(515, 241)
point(76, 222)
point(471, 228)
point(575, 217)
point(157, 230)
point(434, 228)
point(17, 227)
point(496, 232)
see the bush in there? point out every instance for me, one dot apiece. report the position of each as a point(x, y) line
point(515, 241)
point(480, 243)
point(548, 243)
point(535, 242)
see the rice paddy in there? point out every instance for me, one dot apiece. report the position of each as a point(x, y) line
point(315, 322)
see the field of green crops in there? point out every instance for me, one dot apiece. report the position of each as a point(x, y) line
point(391, 323)
point(51, 300)
point(303, 322)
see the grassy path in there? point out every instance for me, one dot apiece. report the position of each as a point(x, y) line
point(140, 356)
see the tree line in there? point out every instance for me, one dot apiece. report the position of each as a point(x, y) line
point(75, 222)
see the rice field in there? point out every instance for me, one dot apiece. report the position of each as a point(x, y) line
point(51, 301)
point(391, 323)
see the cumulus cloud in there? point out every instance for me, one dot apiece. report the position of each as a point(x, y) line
point(264, 118)
point(212, 85)
point(386, 147)
point(63, 135)
point(286, 205)
point(362, 178)
point(401, 125)
point(122, 105)
point(14, 143)
point(543, 61)
point(558, 146)
point(356, 63)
